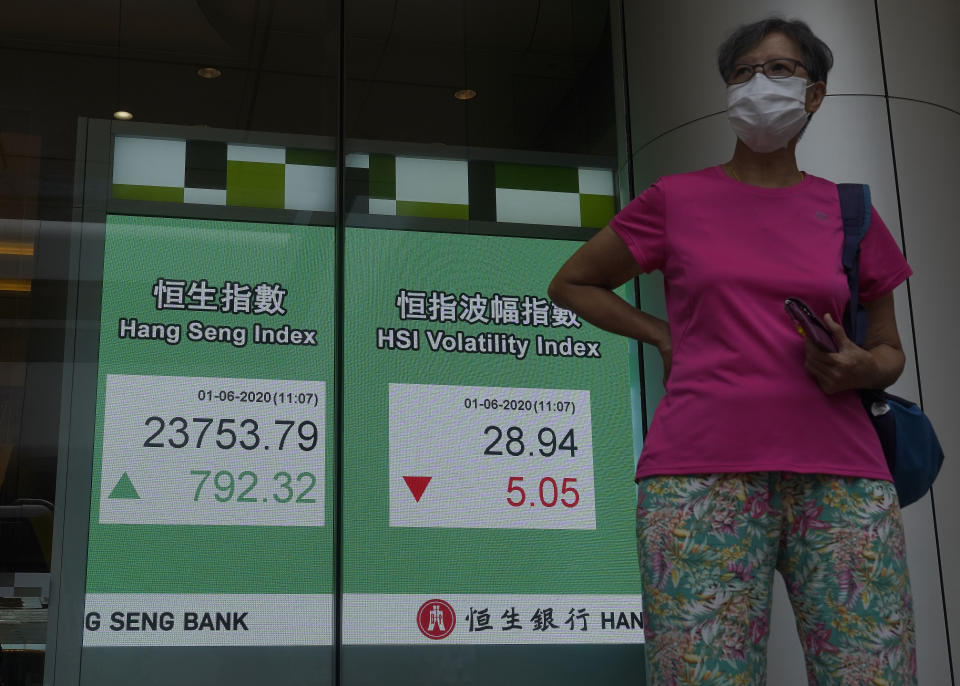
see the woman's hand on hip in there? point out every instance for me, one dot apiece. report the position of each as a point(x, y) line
point(665, 345)
point(585, 284)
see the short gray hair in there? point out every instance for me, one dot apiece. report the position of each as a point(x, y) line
point(817, 56)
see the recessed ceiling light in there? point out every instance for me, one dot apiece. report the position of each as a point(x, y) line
point(209, 73)
point(123, 115)
point(16, 248)
point(465, 94)
point(15, 285)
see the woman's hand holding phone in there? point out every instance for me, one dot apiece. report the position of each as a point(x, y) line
point(850, 367)
point(809, 325)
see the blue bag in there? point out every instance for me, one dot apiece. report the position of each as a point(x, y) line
point(909, 442)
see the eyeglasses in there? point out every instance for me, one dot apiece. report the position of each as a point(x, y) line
point(779, 68)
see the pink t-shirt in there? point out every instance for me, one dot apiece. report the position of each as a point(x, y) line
point(738, 398)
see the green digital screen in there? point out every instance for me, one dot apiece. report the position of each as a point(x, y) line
point(211, 498)
point(487, 450)
point(485, 494)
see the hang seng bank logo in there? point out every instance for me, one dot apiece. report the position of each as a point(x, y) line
point(436, 619)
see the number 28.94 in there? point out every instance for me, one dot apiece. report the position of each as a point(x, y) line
point(512, 441)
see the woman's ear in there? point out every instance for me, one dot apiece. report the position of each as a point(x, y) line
point(815, 95)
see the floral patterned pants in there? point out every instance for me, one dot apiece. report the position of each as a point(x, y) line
point(708, 545)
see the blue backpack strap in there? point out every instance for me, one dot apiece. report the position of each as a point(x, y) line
point(855, 209)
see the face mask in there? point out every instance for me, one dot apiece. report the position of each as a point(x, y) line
point(767, 113)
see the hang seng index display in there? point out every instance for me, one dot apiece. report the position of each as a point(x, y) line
point(213, 434)
point(202, 451)
point(488, 452)
point(488, 457)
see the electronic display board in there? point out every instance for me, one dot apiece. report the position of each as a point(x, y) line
point(487, 458)
point(211, 497)
point(485, 499)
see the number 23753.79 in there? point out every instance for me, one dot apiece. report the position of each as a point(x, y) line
point(228, 433)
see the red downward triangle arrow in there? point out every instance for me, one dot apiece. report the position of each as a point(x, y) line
point(417, 485)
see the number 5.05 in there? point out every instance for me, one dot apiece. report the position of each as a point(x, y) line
point(548, 492)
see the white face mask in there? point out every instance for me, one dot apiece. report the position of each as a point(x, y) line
point(767, 113)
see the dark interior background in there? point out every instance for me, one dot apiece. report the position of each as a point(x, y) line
point(542, 71)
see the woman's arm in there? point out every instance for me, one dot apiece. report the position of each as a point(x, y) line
point(585, 285)
point(877, 364)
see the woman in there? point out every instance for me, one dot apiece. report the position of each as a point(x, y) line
point(760, 456)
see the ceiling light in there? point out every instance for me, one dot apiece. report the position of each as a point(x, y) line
point(465, 94)
point(15, 285)
point(209, 73)
point(16, 248)
point(123, 115)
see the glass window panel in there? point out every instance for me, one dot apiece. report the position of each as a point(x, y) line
point(487, 503)
point(189, 264)
point(224, 183)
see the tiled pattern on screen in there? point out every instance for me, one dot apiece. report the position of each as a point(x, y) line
point(243, 175)
point(217, 173)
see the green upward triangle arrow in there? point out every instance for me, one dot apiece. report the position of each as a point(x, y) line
point(124, 489)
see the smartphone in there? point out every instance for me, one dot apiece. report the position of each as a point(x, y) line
point(810, 325)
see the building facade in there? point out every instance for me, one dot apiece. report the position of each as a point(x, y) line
point(283, 394)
